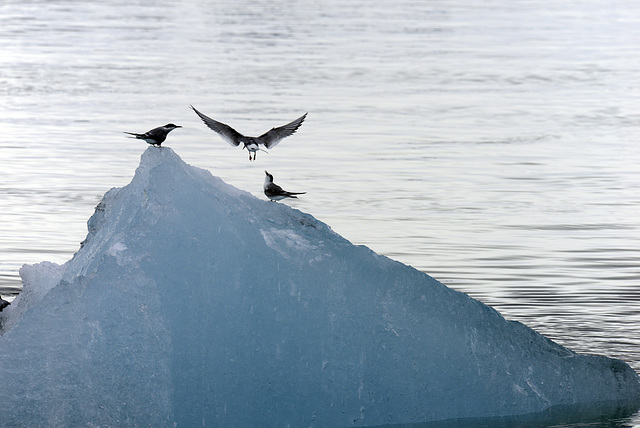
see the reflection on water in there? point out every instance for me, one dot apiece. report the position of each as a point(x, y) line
point(609, 415)
point(493, 146)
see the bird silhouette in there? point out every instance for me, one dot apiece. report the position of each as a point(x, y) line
point(269, 139)
point(156, 136)
point(275, 192)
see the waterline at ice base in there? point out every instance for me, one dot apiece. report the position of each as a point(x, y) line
point(193, 303)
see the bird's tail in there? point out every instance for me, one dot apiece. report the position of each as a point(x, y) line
point(134, 134)
point(262, 150)
point(295, 193)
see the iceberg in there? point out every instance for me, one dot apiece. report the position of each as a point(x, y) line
point(193, 303)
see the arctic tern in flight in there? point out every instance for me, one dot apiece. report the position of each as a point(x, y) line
point(269, 139)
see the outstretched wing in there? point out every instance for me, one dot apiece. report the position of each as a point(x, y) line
point(227, 133)
point(274, 136)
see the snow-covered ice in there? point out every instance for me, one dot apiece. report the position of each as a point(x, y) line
point(192, 303)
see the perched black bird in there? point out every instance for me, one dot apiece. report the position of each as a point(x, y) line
point(275, 192)
point(252, 144)
point(156, 136)
point(3, 304)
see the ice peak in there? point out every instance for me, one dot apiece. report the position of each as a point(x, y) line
point(194, 301)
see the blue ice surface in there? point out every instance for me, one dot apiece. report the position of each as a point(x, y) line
point(193, 303)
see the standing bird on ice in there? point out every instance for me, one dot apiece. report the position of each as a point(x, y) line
point(275, 192)
point(252, 144)
point(156, 136)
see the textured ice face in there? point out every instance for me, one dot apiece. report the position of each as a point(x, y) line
point(195, 303)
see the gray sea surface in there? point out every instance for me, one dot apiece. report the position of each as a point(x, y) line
point(493, 145)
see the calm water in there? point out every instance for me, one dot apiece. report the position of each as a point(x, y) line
point(493, 145)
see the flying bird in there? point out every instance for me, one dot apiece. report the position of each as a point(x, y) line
point(252, 144)
point(275, 192)
point(156, 136)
